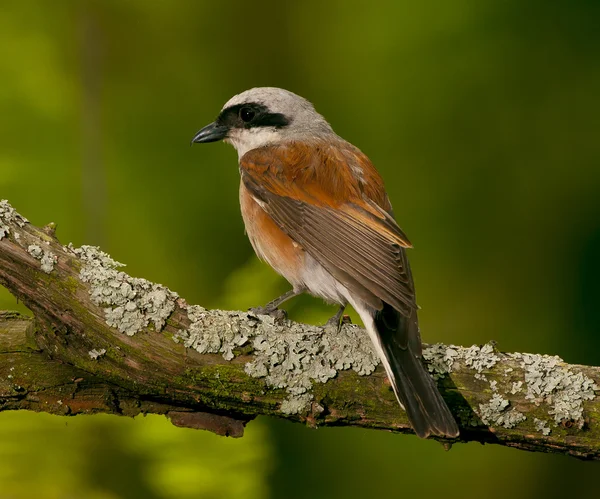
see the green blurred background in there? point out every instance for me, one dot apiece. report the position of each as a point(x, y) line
point(483, 118)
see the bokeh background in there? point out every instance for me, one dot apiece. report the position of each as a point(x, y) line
point(484, 120)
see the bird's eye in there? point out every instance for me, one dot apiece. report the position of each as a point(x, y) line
point(246, 114)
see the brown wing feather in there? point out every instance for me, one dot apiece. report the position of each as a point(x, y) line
point(315, 195)
point(330, 200)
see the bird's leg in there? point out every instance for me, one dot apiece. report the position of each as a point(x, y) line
point(335, 321)
point(271, 307)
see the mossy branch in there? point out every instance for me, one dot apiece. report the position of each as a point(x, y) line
point(102, 341)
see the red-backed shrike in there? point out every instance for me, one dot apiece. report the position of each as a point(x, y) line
point(316, 210)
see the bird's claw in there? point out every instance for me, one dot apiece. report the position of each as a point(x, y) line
point(278, 314)
point(336, 322)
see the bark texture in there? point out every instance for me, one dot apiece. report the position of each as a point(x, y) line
point(102, 341)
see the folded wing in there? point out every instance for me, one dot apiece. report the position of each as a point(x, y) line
point(330, 212)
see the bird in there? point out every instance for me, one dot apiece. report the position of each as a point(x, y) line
point(316, 210)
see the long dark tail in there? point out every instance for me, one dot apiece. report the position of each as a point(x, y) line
point(414, 387)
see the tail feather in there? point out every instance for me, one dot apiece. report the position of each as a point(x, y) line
point(397, 341)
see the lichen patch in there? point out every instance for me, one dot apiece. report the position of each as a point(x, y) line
point(35, 251)
point(542, 426)
point(292, 358)
point(516, 387)
point(496, 412)
point(441, 359)
point(9, 216)
point(217, 332)
point(130, 303)
point(287, 356)
point(96, 354)
point(548, 380)
point(481, 358)
point(46, 257)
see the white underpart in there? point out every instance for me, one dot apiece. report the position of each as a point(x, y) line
point(321, 283)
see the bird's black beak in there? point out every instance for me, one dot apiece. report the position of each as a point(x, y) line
point(211, 133)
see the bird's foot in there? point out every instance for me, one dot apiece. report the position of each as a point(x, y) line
point(278, 314)
point(338, 320)
point(271, 307)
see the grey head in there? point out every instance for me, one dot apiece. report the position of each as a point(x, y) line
point(263, 116)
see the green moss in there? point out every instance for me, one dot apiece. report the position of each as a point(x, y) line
point(44, 237)
point(71, 284)
point(75, 264)
point(227, 387)
point(227, 380)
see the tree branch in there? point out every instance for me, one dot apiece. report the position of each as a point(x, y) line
point(102, 341)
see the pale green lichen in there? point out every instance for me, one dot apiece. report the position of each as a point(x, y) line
point(481, 358)
point(292, 357)
point(286, 355)
point(516, 387)
point(444, 359)
point(130, 303)
point(441, 359)
point(46, 257)
point(546, 380)
point(8, 216)
point(496, 413)
point(295, 404)
point(35, 251)
point(213, 332)
point(96, 354)
point(551, 382)
point(48, 261)
point(541, 426)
